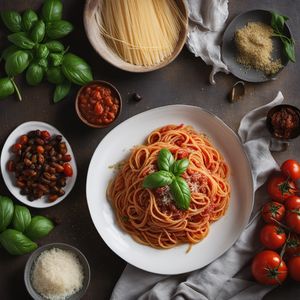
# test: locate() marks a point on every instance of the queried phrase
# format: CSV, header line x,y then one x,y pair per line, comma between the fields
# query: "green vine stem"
x,y
16,89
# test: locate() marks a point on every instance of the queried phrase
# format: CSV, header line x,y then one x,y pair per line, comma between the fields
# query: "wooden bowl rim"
x,y
125,66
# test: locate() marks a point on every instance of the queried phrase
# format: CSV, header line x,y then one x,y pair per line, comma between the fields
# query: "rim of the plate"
x,y
111,244
7,179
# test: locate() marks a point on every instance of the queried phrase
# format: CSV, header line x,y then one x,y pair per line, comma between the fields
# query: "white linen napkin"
x,y
207,22
229,276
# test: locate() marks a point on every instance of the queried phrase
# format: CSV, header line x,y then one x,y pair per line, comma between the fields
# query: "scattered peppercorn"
x,y
137,97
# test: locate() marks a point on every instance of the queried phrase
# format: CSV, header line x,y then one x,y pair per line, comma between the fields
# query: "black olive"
x,y
137,97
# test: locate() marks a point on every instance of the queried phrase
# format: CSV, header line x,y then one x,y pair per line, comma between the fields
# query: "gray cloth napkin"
x,y
207,22
228,277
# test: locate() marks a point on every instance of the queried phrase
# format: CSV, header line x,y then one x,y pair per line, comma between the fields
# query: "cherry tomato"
x,y
16,147
272,236
45,134
280,188
291,169
293,244
68,170
294,267
268,268
292,205
23,139
273,211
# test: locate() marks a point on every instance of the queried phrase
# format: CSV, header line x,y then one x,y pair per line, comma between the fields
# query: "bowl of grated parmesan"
x,y
57,271
250,49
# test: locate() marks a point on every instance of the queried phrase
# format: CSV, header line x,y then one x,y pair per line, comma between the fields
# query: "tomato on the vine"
x,y
293,244
292,205
291,169
273,211
294,267
272,236
280,188
268,268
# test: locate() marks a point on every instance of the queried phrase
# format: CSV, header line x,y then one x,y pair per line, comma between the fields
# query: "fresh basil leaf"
x,y
42,51
165,159
181,193
16,243
76,69
55,75
6,89
29,18
8,51
12,20
55,46
59,29
180,166
6,211
16,63
34,74
43,62
61,91
21,218
158,179
21,40
52,10
39,227
289,50
38,31
56,59
277,21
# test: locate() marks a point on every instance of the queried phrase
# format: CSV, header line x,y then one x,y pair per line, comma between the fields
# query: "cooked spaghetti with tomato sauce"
x,y
151,216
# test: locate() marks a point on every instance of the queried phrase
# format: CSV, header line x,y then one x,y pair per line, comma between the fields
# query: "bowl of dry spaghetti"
x,y
139,35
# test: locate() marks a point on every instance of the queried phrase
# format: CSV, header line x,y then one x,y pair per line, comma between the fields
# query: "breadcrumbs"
x,y
254,44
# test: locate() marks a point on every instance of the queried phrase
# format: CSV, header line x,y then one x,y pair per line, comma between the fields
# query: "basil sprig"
x,y
169,175
277,23
35,50
18,231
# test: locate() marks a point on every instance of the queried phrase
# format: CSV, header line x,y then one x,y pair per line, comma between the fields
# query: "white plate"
x,y
116,146
9,177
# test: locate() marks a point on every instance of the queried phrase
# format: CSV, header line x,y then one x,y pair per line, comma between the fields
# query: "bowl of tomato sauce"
x,y
98,104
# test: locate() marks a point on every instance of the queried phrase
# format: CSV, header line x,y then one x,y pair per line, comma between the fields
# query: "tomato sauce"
x,y
98,104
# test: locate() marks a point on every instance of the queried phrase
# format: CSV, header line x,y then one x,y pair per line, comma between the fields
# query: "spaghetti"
x,y
141,32
150,216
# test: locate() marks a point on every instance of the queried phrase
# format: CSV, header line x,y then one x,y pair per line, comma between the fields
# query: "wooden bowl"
x,y
103,83
99,44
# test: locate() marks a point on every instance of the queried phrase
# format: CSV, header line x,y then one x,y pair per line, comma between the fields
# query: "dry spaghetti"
x,y
141,32
150,216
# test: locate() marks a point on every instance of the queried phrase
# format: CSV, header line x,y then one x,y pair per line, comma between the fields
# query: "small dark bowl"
x,y
36,254
105,84
294,133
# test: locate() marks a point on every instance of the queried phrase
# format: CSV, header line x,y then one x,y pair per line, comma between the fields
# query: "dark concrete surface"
x,y
184,81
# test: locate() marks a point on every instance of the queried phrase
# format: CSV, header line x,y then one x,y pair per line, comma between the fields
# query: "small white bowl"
x,y
9,177
82,259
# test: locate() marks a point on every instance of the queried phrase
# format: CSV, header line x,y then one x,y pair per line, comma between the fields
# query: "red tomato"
x,y
291,169
293,244
292,218
45,134
272,236
68,170
280,188
268,268
294,268
273,211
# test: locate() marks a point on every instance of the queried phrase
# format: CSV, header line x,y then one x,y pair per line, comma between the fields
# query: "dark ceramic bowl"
x,y
293,133
36,254
229,50
105,84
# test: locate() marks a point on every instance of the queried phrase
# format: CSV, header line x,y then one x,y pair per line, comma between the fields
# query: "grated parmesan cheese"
x,y
57,274
254,44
